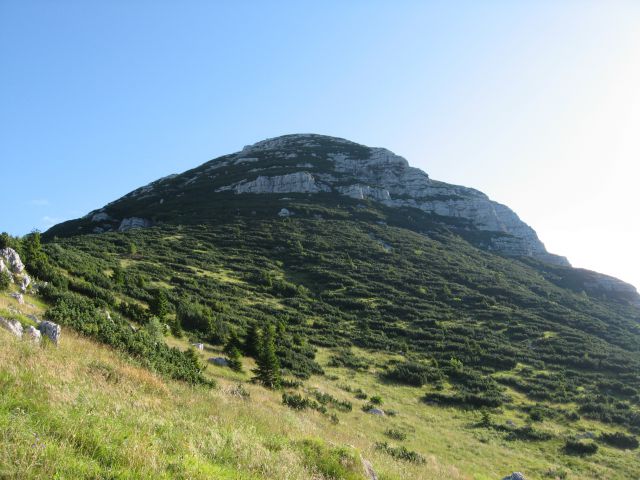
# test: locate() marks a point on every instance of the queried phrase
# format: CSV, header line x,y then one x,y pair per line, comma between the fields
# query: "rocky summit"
x,y
305,164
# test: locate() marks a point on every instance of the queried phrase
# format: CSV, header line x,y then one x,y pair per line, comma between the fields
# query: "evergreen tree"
x,y
232,350
34,257
233,342
252,341
5,240
234,359
5,281
159,304
268,370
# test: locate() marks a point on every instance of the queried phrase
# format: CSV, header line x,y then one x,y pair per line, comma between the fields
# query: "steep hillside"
x,y
373,275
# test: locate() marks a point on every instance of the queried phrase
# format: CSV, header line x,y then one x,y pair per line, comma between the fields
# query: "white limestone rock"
x,y
18,297
134,222
13,326
298,182
361,192
24,283
284,213
32,334
12,259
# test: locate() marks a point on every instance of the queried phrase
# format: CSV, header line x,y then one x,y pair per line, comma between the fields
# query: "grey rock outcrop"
x,y
13,326
379,175
24,284
18,297
134,222
32,334
376,411
284,212
219,361
50,330
369,472
13,260
515,476
298,182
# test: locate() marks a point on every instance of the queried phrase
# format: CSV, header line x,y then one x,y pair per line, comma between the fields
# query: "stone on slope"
x,y
13,260
13,326
33,334
50,330
515,476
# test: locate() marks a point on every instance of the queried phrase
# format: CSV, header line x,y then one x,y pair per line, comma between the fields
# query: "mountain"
x,y
377,281
316,164
321,169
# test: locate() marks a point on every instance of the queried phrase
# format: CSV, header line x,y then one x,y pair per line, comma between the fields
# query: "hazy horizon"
x,y
535,104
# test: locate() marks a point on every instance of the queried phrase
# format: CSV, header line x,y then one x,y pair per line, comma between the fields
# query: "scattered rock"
x,y
284,213
14,326
33,334
368,469
18,297
219,361
515,476
26,281
51,330
376,411
198,346
584,435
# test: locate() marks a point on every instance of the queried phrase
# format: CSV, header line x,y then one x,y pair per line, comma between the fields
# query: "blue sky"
x,y
536,103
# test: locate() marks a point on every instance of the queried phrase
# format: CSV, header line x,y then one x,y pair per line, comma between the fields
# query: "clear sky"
x,y
536,103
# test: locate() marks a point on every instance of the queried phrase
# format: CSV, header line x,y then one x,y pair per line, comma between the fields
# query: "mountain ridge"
x,y
310,164
322,164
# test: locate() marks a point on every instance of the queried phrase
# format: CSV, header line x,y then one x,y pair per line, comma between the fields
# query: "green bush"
x,y
415,374
579,447
5,281
619,440
400,453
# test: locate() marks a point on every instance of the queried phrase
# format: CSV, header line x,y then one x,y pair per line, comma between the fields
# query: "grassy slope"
x,y
83,411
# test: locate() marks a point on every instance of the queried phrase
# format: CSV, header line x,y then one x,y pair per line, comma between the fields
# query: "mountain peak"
x,y
300,165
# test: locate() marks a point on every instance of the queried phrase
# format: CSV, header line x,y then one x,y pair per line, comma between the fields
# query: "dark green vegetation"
x,y
224,268
456,312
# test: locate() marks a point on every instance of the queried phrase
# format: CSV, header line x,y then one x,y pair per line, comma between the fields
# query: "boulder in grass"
x,y
32,334
50,330
219,361
13,326
376,411
515,476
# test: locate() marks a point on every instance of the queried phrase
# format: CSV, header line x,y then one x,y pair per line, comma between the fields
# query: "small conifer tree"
x,y
268,370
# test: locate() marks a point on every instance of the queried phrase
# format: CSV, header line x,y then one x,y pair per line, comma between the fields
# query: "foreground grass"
x,y
80,411
83,411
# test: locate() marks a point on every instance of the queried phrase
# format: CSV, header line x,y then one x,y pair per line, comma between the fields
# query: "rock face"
x,y
380,175
13,326
134,222
50,330
13,260
310,164
299,182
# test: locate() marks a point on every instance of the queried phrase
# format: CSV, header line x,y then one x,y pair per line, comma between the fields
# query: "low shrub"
x,y
579,447
619,440
395,434
400,453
